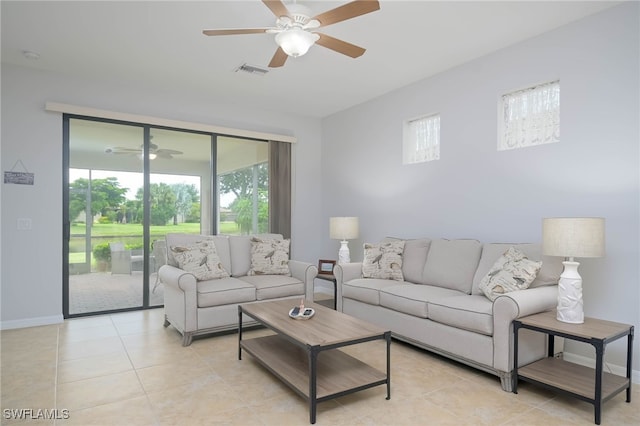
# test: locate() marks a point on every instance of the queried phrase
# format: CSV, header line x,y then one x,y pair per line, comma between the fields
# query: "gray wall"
x,y
473,191
32,260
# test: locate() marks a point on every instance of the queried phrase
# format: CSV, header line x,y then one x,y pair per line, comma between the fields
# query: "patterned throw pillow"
x,y
201,259
269,257
511,272
383,260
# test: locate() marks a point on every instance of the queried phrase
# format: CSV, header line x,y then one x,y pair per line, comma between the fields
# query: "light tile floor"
x,y
127,369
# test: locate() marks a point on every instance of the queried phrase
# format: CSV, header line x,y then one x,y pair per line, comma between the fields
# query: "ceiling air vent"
x,y
252,69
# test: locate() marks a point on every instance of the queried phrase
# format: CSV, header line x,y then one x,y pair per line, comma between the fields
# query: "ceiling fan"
x,y
295,33
154,151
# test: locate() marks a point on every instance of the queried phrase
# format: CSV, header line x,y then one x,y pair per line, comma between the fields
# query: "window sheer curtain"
x,y
280,188
422,140
531,116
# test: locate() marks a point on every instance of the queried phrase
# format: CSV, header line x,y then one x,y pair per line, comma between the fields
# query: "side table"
x,y
584,383
332,278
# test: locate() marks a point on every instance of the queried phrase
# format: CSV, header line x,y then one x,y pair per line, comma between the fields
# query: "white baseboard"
x,y
31,322
608,368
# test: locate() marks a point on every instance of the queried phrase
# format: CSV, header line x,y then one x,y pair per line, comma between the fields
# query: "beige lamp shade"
x,y
343,228
573,236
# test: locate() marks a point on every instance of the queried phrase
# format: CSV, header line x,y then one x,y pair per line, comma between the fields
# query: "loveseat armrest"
x,y
515,305
305,272
345,272
180,298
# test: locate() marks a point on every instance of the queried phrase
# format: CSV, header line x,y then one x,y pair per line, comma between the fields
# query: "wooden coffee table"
x,y
304,354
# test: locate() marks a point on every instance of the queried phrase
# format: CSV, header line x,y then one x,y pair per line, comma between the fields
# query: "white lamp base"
x,y
343,253
570,294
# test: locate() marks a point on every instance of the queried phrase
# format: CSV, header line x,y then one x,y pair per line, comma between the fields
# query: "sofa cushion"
x,y
269,257
512,271
413,258
383,260
452,264
411,298
549,273
469,312
200,259
273,286
240,252
221,242
365,289
224,292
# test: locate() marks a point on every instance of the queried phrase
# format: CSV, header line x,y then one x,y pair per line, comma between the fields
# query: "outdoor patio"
x,y
101,291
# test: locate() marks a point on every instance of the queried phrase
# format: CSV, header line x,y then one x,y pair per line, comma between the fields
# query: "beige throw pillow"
x,y
201,259
511,272
269,257
383,260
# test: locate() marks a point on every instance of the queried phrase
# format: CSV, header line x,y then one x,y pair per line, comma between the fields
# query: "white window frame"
x,y
529,117
421,144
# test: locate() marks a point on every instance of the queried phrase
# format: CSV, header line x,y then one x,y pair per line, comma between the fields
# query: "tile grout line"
x,y
135,371
55,380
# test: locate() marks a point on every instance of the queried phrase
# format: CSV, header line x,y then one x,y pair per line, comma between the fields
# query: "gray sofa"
x,y
439,306
201,307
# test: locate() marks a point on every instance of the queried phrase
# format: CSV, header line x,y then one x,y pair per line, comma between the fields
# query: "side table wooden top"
x,y
592,328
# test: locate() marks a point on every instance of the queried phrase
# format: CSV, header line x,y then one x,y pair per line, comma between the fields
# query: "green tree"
x,y
240,182
186,196
162,201
106,196
243,207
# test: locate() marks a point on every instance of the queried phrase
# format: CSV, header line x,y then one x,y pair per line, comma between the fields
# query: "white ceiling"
x,y
159,45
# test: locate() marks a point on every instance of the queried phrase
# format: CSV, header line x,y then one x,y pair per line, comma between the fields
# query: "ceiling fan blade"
x,y
340,46
277,7
278,59
121,150
168,151
233,31
166,155
347,11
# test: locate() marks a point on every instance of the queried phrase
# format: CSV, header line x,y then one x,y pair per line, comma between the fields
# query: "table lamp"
x,y
571,237
343,228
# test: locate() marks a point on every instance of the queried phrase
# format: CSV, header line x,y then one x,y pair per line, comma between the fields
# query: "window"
x,y
530,117
421,140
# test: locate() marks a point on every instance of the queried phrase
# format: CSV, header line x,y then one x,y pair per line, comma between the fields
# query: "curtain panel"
x,y
280,188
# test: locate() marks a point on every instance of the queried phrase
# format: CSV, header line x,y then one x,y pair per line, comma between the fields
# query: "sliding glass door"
x,y
130,184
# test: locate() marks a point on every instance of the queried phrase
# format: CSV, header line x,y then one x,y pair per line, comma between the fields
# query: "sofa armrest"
x,y
345,272
180,298
305,272
515,305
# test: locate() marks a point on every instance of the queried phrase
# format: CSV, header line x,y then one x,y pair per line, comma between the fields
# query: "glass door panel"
x,y
243,185
105,240
179,181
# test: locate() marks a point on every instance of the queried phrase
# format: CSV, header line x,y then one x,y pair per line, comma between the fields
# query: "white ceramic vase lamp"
x,y
344,229
571,237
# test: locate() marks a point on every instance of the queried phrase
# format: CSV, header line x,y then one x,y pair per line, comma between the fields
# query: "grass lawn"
x,y
131,233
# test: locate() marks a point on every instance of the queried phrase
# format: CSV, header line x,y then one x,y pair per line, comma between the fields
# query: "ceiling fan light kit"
x,y
296,41
294,27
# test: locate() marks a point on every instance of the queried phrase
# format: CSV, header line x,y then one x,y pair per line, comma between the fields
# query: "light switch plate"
x,y
24,223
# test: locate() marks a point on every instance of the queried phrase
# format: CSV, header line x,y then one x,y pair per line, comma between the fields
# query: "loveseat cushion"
x,y
469,312
221,242
413,258
224,291
452,264
412,299
365,289
273,286
240,252
549,273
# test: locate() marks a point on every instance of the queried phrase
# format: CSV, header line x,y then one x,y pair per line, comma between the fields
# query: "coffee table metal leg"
x,y
387,337
239,332
313,370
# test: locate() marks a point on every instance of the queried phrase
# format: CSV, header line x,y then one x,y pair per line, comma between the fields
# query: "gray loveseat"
x,y
439,306
200,307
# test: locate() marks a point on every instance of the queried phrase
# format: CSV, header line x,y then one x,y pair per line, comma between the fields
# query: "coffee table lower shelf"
x,y
337,373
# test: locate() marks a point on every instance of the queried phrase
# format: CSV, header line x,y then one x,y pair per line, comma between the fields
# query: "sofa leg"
x,y
186,339
166,322
506,380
